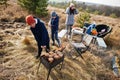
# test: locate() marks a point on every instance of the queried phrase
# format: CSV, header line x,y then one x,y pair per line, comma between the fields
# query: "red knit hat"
x,y
29,19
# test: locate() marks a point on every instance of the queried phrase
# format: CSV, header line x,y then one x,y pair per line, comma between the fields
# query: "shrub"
x,y
82,18
37,7
88,10
103,14
113,15
80,9
96,12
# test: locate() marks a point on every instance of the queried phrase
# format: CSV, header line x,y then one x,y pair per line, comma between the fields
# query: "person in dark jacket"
x,y
54,24
40,33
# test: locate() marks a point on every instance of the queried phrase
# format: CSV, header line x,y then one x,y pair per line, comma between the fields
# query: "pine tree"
x,y
37,7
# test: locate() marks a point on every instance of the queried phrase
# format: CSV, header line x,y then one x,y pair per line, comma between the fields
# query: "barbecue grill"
x,y
49,65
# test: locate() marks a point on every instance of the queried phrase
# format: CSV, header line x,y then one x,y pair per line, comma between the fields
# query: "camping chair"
x,y
82,46
79,31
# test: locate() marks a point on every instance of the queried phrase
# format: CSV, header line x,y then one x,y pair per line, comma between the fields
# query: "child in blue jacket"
x,y
54,24
40,33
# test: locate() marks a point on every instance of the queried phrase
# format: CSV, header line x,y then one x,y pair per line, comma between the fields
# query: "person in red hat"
x,y
40,33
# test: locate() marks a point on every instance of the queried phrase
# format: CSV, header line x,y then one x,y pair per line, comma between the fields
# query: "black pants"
x,y
40,49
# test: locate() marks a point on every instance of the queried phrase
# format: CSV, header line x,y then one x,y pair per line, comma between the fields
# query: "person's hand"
x,y
73,8
43,47
49,24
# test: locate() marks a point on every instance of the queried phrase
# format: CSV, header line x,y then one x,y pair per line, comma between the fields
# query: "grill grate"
x,y
49,65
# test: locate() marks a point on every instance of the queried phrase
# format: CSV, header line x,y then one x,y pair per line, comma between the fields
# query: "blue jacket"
x,y
54,23
40,33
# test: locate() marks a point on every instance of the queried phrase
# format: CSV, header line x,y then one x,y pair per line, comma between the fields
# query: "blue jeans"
x,y
54,36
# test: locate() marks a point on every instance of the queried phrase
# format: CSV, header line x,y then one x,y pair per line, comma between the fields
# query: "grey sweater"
x,y
70,17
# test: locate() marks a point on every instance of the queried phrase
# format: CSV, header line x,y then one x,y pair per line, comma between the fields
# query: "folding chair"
x,y
82,46
77,31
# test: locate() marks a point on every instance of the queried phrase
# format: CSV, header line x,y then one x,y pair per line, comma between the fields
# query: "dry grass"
x,y
26,41
12,12
18,61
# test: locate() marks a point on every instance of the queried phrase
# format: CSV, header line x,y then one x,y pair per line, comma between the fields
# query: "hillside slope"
x,y
17,59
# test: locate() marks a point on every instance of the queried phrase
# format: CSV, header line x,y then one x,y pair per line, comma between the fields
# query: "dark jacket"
x,y
55,23
40,33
